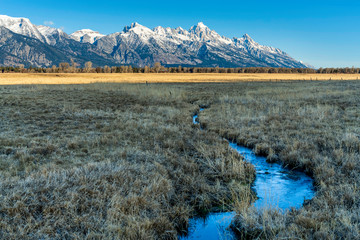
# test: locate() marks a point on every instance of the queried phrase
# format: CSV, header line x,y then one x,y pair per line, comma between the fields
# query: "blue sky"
x,y
322,33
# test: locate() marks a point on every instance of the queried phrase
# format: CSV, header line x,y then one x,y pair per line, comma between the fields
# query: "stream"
x,y
275,187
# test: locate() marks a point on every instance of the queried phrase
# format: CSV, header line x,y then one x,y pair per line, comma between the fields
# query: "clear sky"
x,y
322,33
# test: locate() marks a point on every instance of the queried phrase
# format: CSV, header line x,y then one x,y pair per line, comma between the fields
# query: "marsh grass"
x,y
124,161
108,161
311,126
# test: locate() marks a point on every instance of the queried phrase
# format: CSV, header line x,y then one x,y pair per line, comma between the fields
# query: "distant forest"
x,y
158,68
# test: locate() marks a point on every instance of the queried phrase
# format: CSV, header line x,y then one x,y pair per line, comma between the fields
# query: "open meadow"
x,y
85,78
119,158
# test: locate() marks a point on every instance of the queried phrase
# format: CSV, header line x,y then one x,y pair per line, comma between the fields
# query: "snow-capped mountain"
x,y
52,35
200,46
21,26
139,46
86,36
24,27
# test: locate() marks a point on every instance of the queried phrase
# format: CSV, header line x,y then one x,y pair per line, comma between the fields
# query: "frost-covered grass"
x,y
313,126
110,161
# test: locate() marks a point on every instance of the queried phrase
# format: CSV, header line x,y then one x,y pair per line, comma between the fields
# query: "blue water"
x,y
214,226
275,186
196,117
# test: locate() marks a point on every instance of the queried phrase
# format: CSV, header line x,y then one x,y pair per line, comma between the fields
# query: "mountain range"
x,y
22,42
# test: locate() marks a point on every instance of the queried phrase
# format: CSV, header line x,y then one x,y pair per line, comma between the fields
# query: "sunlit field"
x,y
84,78
114,160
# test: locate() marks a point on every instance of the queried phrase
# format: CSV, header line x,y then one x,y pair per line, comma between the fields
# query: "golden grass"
x,y
86,78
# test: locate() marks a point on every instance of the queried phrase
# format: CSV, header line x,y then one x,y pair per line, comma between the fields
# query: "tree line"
x,y
158,68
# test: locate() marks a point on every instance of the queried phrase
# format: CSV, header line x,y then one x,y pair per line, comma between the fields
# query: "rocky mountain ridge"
x,y
136,45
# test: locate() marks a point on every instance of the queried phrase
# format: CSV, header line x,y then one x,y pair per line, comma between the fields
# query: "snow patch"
x,y
86,36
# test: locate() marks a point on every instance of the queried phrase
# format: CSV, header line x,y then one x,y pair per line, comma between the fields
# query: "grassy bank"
x,y
309,126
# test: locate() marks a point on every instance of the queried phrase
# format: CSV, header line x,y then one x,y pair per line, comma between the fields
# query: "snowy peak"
x,y
205,34
247,37
132,25
52,35
21,26
182,31
138,29
200,30
200,27
86,31
247,40
86,36
170,32
159,30
47,31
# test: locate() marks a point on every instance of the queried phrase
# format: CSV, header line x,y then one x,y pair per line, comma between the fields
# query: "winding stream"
x,y
275,186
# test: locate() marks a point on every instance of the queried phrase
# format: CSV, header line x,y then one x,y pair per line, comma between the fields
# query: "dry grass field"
x,y
85,78
124,161
108,161
313,126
